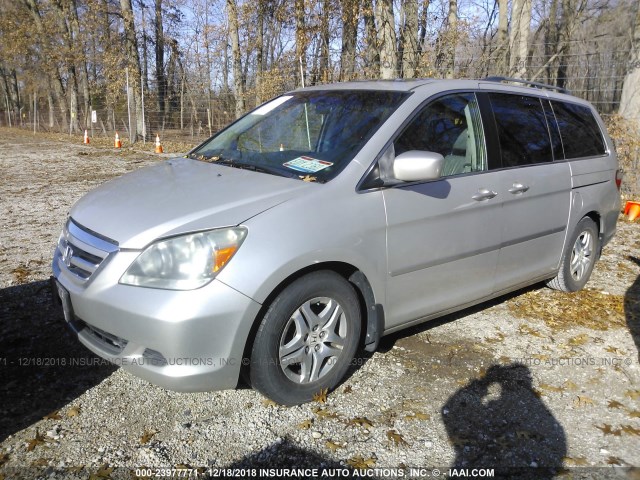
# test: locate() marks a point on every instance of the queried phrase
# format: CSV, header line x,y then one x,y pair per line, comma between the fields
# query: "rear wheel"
x,y
307,339
579,259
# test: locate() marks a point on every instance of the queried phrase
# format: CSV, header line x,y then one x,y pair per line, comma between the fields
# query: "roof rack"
x,y
543,86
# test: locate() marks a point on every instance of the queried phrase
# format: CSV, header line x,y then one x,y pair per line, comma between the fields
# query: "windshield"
x,y
308,135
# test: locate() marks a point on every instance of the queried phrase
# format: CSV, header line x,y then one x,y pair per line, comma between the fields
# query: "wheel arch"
x,y
372,316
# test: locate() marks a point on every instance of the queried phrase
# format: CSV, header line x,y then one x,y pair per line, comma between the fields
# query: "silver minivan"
x,y
329,217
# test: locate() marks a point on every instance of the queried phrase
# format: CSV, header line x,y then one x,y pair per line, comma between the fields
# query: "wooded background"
x,y
192,66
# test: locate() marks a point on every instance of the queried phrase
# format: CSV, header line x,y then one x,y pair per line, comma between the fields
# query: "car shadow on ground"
x,y
632,308
498,421
42,364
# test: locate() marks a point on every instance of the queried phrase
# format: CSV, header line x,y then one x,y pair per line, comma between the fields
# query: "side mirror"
x,y
416,165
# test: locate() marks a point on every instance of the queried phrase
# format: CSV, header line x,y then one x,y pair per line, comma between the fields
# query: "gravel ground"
x,y
534,379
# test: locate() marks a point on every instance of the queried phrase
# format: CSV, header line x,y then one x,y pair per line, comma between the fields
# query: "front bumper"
x,y
181,340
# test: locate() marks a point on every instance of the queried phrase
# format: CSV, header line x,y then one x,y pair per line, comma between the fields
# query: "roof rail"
x,y
543,86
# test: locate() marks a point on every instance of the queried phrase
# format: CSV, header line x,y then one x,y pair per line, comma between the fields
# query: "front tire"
x,y
306,339
578,259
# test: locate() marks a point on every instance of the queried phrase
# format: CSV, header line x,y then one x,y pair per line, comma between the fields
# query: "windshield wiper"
x,y
255,168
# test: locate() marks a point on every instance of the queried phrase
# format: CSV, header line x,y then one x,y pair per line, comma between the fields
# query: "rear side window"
x,y
522,129
581,136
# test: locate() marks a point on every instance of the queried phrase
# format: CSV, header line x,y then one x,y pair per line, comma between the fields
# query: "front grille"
x,y
81,252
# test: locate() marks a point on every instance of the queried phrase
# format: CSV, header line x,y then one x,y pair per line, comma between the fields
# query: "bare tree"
x,y
133,64
409,38
235,52
349,16
519,37
630,99
387,38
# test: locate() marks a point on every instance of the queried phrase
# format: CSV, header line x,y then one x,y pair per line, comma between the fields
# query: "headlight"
x,y
186,262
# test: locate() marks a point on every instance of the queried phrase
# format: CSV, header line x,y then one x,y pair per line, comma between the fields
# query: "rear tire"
x,y
306,339
578,259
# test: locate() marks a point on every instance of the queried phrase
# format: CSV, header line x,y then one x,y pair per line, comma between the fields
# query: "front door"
x,y
443,236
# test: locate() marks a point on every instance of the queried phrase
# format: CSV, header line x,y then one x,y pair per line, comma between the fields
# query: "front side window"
x,y
312,134
581,136
522,129
452,127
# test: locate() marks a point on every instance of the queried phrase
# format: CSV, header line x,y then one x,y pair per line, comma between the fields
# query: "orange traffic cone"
x,y
86,137
632,209
158,145
117,143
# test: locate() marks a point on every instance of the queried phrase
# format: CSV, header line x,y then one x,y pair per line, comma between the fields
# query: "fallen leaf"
x,y
504,359
41,462
4,458
347,389
499,337
579,340
75,469
607,430
632,394
33,443
575,462
147,436
55,415
525,434
332,445
615,461
396,438
570,385
527,330
582,401
361,463
321,396
104,471
308,178
418,416
612,349
306,425
267,402
360,422
634,413
615,404
551,388
73,412
324,413
631,430
543,357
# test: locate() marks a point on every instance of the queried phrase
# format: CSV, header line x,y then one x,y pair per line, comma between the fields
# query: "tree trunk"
x,y
350,13
502,52
260,51
409,39
301,35
630,99
372,55
519,37
159,51
133,63
324,39
387,38
235,52
451,39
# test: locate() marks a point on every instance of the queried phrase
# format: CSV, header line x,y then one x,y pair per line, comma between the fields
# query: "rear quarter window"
x,y
581,135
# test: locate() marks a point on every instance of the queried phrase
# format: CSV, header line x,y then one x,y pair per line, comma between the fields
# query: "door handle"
x,y
484,194
518,188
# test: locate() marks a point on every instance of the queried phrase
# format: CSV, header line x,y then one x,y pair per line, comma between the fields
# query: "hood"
x,y
179,196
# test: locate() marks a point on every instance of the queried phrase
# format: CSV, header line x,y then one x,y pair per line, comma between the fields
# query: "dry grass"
x,y
564,311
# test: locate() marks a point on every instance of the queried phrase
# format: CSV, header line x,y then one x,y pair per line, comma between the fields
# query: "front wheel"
x,y
307,339
579,259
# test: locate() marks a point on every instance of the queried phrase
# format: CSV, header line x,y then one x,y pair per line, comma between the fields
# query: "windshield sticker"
x,y
307,164
267,107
